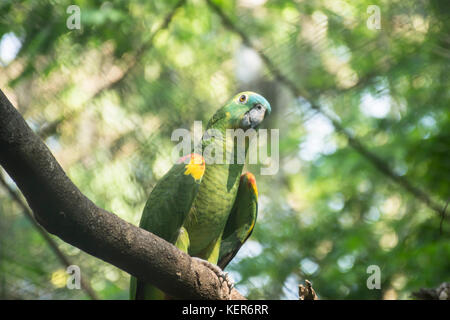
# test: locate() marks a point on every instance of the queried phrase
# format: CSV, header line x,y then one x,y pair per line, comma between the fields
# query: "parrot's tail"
x,y
140,290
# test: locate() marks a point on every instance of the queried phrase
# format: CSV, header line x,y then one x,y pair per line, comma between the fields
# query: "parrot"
x,y
207,209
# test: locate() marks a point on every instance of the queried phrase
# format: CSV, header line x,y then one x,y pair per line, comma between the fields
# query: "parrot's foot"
x,y
222,275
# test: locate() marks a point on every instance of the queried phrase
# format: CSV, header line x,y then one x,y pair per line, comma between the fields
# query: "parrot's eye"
x,y
243,98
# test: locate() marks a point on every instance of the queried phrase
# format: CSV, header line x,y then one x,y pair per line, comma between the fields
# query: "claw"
x,y
222,275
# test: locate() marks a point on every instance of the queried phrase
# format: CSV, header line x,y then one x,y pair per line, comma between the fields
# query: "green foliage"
x,y
327,214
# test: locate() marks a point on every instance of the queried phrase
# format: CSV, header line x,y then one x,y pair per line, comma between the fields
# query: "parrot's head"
x,y
250,109
245,110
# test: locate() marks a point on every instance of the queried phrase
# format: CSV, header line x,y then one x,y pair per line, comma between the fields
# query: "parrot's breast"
x,y
209,213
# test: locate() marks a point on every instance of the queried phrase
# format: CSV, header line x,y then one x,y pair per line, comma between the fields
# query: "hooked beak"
x,y
254,116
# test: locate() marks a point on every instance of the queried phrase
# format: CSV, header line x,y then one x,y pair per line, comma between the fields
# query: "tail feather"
x,y
140,290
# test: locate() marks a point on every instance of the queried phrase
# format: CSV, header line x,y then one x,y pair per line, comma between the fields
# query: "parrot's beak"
x,y
254,116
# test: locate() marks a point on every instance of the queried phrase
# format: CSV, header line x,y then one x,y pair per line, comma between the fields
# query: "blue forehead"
x,y
257,98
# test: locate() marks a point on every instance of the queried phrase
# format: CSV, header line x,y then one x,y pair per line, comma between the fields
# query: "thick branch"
x,y
61,208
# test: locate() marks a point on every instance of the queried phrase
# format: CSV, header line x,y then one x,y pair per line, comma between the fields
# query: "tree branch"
x,y
60,207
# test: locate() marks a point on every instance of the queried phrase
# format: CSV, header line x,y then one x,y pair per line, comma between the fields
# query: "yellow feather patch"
x,y
195,167
250,229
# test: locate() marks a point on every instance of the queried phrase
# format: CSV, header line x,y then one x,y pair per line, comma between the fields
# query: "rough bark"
x,y
60,207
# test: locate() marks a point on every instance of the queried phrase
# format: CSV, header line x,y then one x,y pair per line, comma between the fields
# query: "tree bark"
x,y
60,207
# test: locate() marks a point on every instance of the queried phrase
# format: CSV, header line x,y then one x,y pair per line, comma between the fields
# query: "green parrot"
x,y
207,208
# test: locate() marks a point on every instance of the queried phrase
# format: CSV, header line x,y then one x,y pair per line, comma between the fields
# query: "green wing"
x,y
166,210
241,221
171,199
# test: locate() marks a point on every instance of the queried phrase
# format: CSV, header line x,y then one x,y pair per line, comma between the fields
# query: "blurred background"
x,y
361,100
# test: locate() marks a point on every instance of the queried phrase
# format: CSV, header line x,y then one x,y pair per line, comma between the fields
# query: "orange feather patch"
x,y
251,182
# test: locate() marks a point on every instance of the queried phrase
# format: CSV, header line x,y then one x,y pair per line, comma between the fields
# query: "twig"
x,y
306,292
